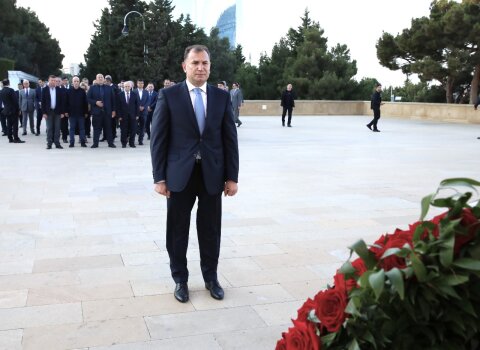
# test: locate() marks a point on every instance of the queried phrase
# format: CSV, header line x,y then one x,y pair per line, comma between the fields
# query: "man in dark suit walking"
x,y
152,99
53,108
10,111
144,103
38,107
194,151
128,109
102,101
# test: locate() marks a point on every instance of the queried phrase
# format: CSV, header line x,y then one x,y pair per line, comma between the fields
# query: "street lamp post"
x,y
125,33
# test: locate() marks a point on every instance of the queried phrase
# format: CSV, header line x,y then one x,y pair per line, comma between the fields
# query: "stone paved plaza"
x,y
83,263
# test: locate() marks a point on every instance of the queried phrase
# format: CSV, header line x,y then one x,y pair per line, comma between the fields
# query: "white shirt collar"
x,y
191,87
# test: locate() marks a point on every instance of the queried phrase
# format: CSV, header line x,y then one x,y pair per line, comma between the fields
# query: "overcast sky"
x,y
358,24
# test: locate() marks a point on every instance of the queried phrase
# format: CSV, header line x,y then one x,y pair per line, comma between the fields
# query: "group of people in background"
x,y
71,109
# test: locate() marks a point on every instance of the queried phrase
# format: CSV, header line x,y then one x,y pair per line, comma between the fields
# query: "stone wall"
x,y
450,113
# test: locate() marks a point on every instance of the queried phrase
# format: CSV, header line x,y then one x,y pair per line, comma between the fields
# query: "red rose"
x,y
472,224
347,285
396,240
302,337
330,308
302,313
359,265
281,344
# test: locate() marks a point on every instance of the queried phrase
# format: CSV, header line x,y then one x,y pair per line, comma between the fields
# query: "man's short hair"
x,y
195,48
6,82
140,81
108,77
377,85
51,76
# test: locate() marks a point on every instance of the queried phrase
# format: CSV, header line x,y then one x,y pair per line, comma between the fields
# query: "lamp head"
x,y
125,30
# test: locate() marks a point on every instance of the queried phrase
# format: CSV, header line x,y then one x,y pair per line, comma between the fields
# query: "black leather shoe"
x,y
124,146
18,141
4,134
283,123
49,146
83,144
65,141
376,130
112,145
181,292
71,145
289,125
216,291
140,143
133,146
94,146
59,146
37,134
24,133
369,126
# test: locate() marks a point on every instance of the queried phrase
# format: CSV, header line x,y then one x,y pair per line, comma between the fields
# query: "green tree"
x,y
27,41
441,47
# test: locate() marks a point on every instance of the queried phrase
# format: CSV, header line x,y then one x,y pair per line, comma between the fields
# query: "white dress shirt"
x,y
193,96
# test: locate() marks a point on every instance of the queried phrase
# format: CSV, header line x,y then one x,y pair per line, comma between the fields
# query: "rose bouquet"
x,y
412,289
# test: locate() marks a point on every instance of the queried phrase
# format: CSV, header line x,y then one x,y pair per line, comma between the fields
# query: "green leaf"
x,y
446,251
389,252
455,280
360,248
354,345
426,205
377,282
396,277
347,268
475,251
418,267
352,308
328,339
460,181
468,264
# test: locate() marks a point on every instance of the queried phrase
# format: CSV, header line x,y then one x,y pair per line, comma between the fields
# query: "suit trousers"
x,y
102,121
53,128
12,126
141,127
88,125
285,110
148,123
28,116
236,114
209,221
64,128
128,130
76,121
3,121
376,117
39,119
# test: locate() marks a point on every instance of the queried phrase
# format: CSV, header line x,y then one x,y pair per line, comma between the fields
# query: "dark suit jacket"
x,y
124,110
376,100
101,93
176,139
144,101
153,100
38,92
61,100
288,99
10,101
77,105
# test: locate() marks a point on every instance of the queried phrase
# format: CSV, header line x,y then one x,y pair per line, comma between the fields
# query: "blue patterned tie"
x,y
199,109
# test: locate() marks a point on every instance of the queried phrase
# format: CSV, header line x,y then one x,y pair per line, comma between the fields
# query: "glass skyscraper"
x,y
227,25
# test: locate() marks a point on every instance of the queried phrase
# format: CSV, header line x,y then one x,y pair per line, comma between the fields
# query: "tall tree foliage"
x,y
443,46
166,38
303,58
27,41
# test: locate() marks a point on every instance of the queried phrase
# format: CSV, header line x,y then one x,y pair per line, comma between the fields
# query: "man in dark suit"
x,y
288,103
116,90
375,104
144,103
77,109
64,87
10,111
194,151
53,108
128,109
38,107
102,101
152,98
3,118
